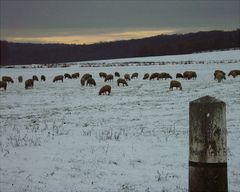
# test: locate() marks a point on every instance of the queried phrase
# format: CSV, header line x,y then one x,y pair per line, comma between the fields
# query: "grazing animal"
x,y
102,75
91,82
82,81
218,71
127,77
29,83
134,75
58,78
176,84
219,76
3,84
75,75
117,74
67,75
164,76
35,78
106,89
234,73
153,76
43,78
20,79
179,75
194,75
146,76
189,75
7,79
122,81
86,76
109,78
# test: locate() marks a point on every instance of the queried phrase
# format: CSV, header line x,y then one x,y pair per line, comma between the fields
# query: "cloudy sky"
x,y
78,22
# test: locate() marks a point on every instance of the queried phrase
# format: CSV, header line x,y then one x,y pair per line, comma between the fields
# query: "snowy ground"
x,y
64,137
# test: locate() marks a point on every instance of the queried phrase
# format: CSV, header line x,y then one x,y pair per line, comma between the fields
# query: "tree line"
x,y
30,53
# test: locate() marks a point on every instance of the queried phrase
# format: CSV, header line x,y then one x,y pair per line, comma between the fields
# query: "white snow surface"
x,y
64,137
205,56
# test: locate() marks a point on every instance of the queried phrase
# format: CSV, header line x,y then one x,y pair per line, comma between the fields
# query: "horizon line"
x,y
138,36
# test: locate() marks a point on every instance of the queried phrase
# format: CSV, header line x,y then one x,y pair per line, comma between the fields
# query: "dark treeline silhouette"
x,y
29,53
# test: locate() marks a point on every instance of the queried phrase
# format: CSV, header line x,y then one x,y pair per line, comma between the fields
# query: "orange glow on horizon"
x,y
90,39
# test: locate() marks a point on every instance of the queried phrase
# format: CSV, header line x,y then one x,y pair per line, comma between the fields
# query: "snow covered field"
x,y
64,137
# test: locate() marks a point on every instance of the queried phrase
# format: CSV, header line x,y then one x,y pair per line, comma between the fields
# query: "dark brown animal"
x,y
146,76
91,82
102,75
20,79
219,76
164,76
234,73
194,75
58,78
153,76
75,75
29,83
127,77
179,75
117,74
82,81
176,84
217,72
189,75
35,78
67,75
134,75
108,78
7,79
3,84
106,89
122,81
86,76
43,78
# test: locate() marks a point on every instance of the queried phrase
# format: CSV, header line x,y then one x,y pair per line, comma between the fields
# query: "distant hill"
x,y
29,53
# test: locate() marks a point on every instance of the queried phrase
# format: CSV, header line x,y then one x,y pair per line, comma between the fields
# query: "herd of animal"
x,y
88,80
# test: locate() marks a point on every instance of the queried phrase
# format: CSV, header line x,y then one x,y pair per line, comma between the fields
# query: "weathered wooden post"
x,y
207,145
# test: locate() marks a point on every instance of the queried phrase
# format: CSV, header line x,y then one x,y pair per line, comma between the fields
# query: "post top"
x,y
207,99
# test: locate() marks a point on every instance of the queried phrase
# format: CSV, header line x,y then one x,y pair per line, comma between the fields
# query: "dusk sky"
x,y
87,22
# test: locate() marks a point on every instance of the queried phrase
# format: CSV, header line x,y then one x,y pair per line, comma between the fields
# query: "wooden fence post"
x,y
207,145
